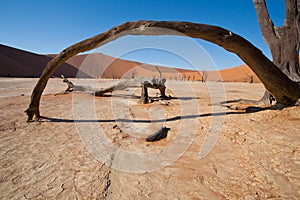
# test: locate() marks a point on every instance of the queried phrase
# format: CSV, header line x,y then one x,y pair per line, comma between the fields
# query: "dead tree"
x,y
72,87
283,41
160,73
144,96
69,83
250,78
133,74
285,90
144,83
204,76
135,83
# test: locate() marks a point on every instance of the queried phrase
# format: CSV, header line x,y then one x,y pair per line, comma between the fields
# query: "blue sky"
x,y
46,27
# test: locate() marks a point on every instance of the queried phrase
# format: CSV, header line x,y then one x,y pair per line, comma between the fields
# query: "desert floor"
x,y
94,147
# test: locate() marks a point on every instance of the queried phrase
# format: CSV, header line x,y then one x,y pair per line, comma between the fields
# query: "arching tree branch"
x,y
270,75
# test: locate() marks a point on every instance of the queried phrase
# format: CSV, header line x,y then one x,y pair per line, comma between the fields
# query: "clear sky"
x,y
49,26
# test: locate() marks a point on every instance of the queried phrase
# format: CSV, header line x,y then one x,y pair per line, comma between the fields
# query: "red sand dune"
x,y
242,73
19,63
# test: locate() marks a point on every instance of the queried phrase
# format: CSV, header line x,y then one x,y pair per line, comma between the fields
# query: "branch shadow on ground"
x,y
138,97
121,95
176,118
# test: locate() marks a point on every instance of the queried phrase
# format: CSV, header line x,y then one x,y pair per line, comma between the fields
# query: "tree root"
x,y
266,102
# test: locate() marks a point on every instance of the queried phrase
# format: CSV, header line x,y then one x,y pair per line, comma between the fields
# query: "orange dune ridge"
x,y
19,63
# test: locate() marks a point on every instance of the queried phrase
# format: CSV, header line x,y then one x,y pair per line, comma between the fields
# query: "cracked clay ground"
x,y
256,155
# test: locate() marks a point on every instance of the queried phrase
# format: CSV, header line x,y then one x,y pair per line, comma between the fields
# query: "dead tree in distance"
x,y
72,87
145,83
135,83
160,73
204,76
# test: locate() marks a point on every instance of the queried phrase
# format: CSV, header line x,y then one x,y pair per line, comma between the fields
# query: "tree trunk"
x,y
134,83
144,96
283,41
285,90
160,73
266,99
77,88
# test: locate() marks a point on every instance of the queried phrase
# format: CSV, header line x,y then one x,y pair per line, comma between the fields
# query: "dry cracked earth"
x,y
209,153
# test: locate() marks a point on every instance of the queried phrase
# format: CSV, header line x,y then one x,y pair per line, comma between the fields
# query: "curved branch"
x,y
268,73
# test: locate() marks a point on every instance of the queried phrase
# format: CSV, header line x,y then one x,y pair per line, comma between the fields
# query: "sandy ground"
x,y
94,147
